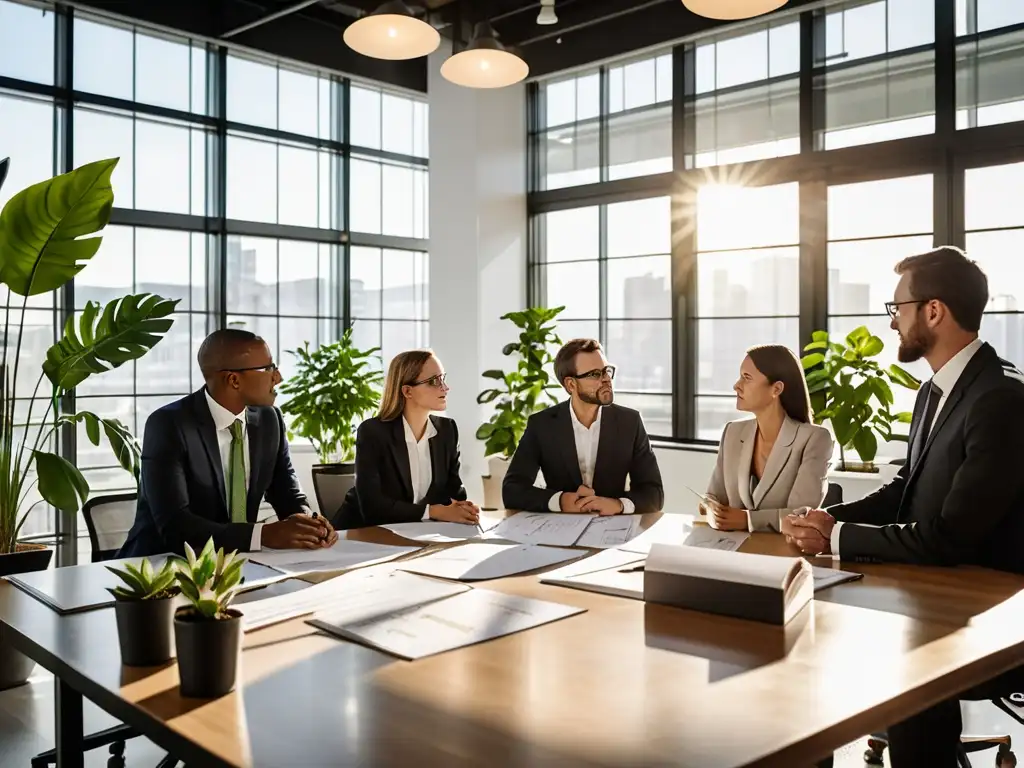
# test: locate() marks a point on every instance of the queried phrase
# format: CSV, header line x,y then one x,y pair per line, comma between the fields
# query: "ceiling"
x,y
587,30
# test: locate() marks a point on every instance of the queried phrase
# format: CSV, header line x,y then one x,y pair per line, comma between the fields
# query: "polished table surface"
x,y
622,684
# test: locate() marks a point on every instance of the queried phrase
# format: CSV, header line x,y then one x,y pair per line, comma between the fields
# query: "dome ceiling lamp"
x,y
392,33
485,62
732,10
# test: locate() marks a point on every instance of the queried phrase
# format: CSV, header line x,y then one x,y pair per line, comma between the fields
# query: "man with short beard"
x,y
586,447
959,498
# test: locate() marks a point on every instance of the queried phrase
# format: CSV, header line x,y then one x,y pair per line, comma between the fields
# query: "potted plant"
x,y
843,381
520,393
43,245
207,633
334,387
144,608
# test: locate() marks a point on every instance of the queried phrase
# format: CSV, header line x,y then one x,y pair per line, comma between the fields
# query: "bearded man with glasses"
x,y
588,448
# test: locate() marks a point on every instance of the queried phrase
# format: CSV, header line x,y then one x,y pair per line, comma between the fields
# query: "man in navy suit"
x,y
209,460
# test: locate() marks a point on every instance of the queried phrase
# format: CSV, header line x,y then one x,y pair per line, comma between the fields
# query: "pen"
x,y
631,570
315,515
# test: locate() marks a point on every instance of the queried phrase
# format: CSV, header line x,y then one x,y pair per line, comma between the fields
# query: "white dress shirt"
x,y
945,379
222,421
420,468
587,440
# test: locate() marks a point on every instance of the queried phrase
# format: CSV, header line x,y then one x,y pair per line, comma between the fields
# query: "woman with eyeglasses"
x,y
407,457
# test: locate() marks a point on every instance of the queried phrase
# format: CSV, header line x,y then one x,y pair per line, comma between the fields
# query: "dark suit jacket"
x,y
182,495
963,501
383,489
548,444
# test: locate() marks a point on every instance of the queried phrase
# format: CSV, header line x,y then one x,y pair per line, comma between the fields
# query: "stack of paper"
x,y
435,531
710,538
480,560
607,532
343,555
612,572
552,528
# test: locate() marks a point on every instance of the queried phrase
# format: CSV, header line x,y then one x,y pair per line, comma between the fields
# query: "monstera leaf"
x,y
126,330
122,442
40,227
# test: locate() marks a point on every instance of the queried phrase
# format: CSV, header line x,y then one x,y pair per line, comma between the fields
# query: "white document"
x,y
353,595
709,538
343,555
610,558
607,532
480,560
472,617
435,531
669,529
556,529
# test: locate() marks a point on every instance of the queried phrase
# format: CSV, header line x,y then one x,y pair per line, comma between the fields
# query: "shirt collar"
x,y
222,417
411,438
577,423
947,376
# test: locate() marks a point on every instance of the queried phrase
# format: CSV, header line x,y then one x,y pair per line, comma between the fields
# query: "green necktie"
x,y
236,474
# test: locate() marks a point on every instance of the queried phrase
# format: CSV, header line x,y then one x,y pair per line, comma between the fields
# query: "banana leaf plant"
x,y
44,243
854,392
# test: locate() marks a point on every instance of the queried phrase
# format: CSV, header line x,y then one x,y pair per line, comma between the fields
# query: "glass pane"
x,y
722,345
251,92
364,196
197,278
989,89
26,135
398,336
640,287
998,254
572,156
640,143
294,332
639,227
656,411
992,196
162,75
109,274
405,285
642,352
397,187
784,49
741,59
298,102
264,327
103,59
162,265
36,339
880,208
757,283
251,275
298,285
421,130
26,43
751,124
298,186
771,216
251,180
861,276
911,23
365,336
162,164
571,235
632,85
397,122
577,329
167,367
1005,332
198,104
573,285
713,413
365,282
364,128
559,99
329,279
982,15
99,136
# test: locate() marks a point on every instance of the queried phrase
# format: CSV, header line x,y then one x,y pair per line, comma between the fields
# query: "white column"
x,y
477,240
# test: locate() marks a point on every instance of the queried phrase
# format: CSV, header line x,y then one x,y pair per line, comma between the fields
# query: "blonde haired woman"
x,y
407,458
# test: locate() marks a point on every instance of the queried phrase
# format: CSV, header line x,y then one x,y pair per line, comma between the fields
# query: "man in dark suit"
x,y
586,447
209,460
959,499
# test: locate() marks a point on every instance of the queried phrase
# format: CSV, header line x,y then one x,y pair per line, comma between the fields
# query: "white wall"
x,y
477,240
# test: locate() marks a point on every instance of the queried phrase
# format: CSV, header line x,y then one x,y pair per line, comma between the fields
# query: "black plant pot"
x,y
208,651
144,630
15,667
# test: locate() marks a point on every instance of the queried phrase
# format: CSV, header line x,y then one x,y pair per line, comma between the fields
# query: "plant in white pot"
x,y
144,609
207,633
44,244
334,387
519,393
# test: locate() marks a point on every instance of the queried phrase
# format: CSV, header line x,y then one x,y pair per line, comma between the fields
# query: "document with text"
x,y
709,538
607,532
436,531
465,619
556,529
669,529
343,555
479,560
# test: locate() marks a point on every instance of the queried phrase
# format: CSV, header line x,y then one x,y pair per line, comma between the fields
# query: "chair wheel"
x,y
873,758
1006,759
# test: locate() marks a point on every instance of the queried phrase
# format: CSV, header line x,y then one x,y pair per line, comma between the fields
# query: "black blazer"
x,y
963,502
548,445
182,495
383,489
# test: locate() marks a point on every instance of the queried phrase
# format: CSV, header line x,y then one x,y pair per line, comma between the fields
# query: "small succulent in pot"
x,y
144,607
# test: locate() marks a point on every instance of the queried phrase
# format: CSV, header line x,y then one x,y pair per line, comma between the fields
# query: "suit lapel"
x,y
777,459
567,445
438,463
400,453
746,456
208,436
254,432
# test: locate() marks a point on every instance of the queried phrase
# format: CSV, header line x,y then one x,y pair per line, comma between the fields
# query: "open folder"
x,y
738,584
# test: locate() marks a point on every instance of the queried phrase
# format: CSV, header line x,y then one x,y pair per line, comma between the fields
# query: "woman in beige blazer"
x,y
775,462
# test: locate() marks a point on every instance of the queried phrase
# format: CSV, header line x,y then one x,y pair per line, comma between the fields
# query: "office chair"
x,y
330,492
1004,757
108,520
834,495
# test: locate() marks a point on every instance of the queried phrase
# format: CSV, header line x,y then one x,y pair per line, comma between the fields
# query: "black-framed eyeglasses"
x,y
893,307
597,374
433,381
268,368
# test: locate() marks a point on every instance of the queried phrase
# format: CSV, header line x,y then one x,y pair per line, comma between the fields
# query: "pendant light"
x,y
392,32
485,62
732,10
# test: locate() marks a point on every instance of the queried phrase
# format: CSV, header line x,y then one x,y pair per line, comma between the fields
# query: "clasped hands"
x,y
465,512
583,500
299,531
809,530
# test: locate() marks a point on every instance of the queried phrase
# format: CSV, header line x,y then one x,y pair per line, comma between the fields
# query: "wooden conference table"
x,y
624,684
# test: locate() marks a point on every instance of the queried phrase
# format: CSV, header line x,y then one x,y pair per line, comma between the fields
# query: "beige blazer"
x,y
795,475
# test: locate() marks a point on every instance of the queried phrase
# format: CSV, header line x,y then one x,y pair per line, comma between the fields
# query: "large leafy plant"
x,y
854,392
209,581
525,389
333,388
43,245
